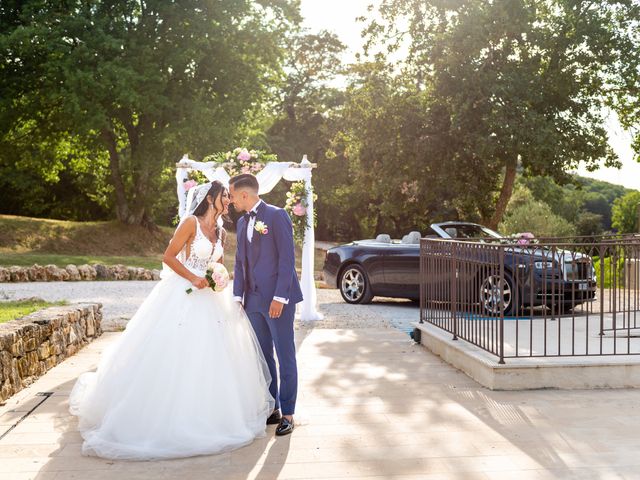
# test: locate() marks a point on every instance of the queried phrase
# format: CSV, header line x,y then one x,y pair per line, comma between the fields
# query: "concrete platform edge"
x,y
565,373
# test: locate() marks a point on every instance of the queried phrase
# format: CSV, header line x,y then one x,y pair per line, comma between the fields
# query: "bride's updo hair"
x,y
216,191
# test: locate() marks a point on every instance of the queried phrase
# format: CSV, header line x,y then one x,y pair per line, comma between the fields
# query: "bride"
x,y
187,377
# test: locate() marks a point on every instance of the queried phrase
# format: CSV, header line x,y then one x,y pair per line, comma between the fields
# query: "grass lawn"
x,y
25,241
106,239
19,308
62,260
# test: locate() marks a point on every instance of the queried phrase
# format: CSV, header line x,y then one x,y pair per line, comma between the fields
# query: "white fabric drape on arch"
x,y
268,178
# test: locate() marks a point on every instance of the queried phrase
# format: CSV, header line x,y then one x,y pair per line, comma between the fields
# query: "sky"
x,y
338,16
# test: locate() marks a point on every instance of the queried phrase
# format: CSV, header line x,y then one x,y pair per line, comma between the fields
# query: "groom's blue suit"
x,y
264,269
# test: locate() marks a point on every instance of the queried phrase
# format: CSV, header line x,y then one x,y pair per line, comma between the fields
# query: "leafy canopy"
x,y
138,82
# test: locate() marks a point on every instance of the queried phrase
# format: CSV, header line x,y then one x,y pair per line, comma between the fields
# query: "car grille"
x,y
577,270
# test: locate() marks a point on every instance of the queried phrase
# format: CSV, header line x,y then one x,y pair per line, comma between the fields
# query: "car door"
x,y
402,270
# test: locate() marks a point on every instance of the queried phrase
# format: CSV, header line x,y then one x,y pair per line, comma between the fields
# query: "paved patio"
x,y
372,405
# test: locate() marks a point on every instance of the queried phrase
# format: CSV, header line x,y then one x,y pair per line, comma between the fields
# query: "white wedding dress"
x,y
187,377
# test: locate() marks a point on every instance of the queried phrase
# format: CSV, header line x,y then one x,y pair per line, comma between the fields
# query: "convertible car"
x,y
391,268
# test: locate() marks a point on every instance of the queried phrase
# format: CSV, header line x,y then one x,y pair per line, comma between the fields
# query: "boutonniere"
x,y
261,228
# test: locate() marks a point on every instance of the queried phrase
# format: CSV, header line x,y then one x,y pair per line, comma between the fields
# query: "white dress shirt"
x,y
252,221
250,228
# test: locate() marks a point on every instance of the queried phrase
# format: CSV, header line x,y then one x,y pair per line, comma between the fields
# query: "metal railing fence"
x,y
549,298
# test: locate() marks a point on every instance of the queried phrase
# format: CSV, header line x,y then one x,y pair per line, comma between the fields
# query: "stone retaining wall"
x,y
73,273
32,345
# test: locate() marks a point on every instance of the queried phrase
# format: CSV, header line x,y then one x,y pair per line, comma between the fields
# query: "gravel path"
x,y
382,312
120,300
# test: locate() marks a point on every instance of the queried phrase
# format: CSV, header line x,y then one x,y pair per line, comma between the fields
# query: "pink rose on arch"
x,y
189,184
244,156
299,209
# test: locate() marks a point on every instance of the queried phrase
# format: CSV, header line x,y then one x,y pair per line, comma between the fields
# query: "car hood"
x,y
544,253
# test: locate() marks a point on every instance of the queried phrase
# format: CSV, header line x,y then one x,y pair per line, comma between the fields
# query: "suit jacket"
x,y
266,267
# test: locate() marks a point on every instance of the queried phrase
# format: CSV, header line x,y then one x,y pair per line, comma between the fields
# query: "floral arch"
x,y
269,172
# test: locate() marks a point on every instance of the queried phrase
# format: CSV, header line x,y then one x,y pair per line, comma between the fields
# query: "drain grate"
x,y
39,394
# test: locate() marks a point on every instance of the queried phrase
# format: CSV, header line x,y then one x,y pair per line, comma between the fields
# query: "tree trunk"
x,y
505,194
122,206
130,209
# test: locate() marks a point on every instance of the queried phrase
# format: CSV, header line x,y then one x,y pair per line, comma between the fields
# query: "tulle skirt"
x,y
187,377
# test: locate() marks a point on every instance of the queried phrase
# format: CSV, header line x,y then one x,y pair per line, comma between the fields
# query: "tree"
x,y
512,83
394,161
306,120
625,213
305,100
526,214
139,82
589,223
582,201
597,205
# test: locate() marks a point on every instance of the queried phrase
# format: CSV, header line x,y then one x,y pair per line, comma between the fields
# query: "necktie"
x,y
250,215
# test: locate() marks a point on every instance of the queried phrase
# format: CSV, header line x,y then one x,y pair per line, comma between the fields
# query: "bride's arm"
x,y
183,233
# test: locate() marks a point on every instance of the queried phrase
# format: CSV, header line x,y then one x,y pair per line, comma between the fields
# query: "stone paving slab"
x,y
372,405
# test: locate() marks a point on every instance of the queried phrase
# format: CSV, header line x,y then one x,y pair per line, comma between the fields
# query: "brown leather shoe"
x,y
274,418
285,427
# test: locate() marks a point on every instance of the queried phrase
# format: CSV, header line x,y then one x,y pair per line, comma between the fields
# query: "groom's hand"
x,y
275,309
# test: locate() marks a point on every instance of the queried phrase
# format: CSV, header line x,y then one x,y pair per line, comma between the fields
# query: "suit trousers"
x,y
277,333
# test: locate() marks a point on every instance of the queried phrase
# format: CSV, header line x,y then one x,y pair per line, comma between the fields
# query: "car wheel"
x,y
492,288
354,285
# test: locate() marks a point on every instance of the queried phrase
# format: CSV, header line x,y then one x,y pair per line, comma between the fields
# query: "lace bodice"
x,y
201,251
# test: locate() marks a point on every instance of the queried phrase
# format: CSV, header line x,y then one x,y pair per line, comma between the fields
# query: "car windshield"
x,y
470,231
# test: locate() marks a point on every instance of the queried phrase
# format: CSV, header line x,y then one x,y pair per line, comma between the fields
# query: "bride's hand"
x,y
199,282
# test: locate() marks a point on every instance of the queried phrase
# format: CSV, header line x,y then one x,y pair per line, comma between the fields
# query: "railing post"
x,y
600,286
423,285
501,305
454,289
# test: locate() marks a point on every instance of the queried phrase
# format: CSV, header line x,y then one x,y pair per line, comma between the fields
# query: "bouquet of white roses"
x,y
217,276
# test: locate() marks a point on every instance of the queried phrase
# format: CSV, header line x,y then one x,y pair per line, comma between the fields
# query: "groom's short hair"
x,y
245,180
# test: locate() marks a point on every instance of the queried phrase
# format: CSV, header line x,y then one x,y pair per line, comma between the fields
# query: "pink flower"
x,y
299,210
261,227
244,155
525,238
189,184
245,169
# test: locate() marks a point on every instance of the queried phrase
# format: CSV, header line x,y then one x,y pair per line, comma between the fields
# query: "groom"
x,y
265,281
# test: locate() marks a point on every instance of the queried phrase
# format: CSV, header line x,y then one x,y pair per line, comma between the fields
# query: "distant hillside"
x,y
610,190
573,200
